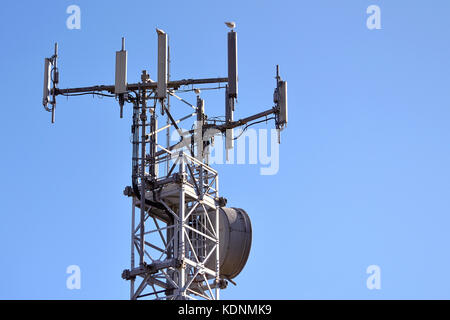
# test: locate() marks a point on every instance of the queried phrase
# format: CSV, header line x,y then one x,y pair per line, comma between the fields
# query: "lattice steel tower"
x,y
185,242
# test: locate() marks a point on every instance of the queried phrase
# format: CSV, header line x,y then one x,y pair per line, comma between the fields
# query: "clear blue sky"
x,y
364,165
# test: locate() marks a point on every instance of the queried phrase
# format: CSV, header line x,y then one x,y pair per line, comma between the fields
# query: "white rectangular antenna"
x,y
161,89
121,70
47,80
229,139
232,65
229,106
156,164
282,103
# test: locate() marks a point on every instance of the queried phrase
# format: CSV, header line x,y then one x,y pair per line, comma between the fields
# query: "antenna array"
x,y
185,243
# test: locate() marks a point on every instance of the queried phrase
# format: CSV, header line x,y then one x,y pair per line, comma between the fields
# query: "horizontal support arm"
x,y
225,126
149,85
241,122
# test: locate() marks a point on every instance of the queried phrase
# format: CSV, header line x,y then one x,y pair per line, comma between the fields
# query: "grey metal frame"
x,y
178,253
175,196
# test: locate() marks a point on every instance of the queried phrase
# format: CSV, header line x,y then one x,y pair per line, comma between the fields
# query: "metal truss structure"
x,y
175,203
175,198
176,255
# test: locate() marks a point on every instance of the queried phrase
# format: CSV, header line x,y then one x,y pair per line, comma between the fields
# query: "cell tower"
x,y
185,242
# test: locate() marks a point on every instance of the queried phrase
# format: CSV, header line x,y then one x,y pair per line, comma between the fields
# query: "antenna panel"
x,y
229,107
161,88
229,139
47,79
232,65
282,103
121,72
